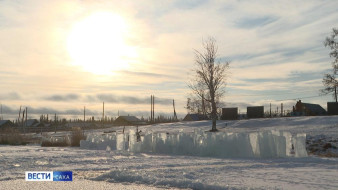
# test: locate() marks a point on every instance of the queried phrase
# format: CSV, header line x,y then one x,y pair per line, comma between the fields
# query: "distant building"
x,y
307,109
229,113
255,112
33,123
195,117
128,120
6,124
332,108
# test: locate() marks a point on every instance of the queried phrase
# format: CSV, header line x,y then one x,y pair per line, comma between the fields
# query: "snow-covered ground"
x,y
111,169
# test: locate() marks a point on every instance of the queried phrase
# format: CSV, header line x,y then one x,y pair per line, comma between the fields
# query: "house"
x,y
255,112
307,109
195,117
33,123
6,124
332,108
229,113
128,120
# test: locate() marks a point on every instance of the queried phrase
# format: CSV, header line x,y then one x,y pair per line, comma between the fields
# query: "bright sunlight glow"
x,y
97,44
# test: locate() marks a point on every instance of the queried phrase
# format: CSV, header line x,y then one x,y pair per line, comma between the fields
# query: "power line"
x,y
301,98
266,95
271,94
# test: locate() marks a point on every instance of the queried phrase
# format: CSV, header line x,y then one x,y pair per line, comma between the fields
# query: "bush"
x,y
77,136
53,144
328,145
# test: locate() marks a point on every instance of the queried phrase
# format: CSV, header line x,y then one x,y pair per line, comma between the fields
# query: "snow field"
x,y
99,167
137,170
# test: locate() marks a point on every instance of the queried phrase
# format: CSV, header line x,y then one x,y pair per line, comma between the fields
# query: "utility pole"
x,y
152,115
281,110
1,117
19,117
22,120
26,116
175,116
270,109
84,114
103,113
55,123
153,108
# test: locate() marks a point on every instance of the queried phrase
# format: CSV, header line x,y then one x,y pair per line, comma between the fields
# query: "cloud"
x,y
145,74
129,99
255,22
9,110
274,47
36,112
10,96
62,98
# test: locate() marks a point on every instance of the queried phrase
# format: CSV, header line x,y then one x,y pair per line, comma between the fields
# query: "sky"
x,y
61,56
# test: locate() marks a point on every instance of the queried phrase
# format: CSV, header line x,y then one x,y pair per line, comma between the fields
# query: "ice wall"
x,y
100,142
267,144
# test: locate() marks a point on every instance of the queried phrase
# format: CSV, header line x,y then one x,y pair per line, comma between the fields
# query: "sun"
x,y
97,44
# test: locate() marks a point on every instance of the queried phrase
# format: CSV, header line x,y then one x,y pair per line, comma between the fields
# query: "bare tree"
x,y
332,43
329,81
330,84
209,80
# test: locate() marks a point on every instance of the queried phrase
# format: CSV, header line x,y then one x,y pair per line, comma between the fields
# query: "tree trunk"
x,y
213,113
214,125
335,93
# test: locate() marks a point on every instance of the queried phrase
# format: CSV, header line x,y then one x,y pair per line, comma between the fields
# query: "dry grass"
x,y
11,136
77,134
327,154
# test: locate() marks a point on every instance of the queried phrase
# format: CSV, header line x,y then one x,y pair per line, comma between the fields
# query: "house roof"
x,y
4,122
128,120
31,122
315,108
195,117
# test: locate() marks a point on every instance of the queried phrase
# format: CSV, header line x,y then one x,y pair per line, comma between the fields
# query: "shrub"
x,y
327,146
77,136
53,144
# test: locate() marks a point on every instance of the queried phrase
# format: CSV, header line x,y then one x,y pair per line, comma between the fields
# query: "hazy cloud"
x,y
62,98
272,45
129,99
9,110
52,111
35,112
10,96
146,74
255,22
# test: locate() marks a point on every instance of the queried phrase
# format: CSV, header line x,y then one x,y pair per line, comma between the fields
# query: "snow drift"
x,y
267,144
